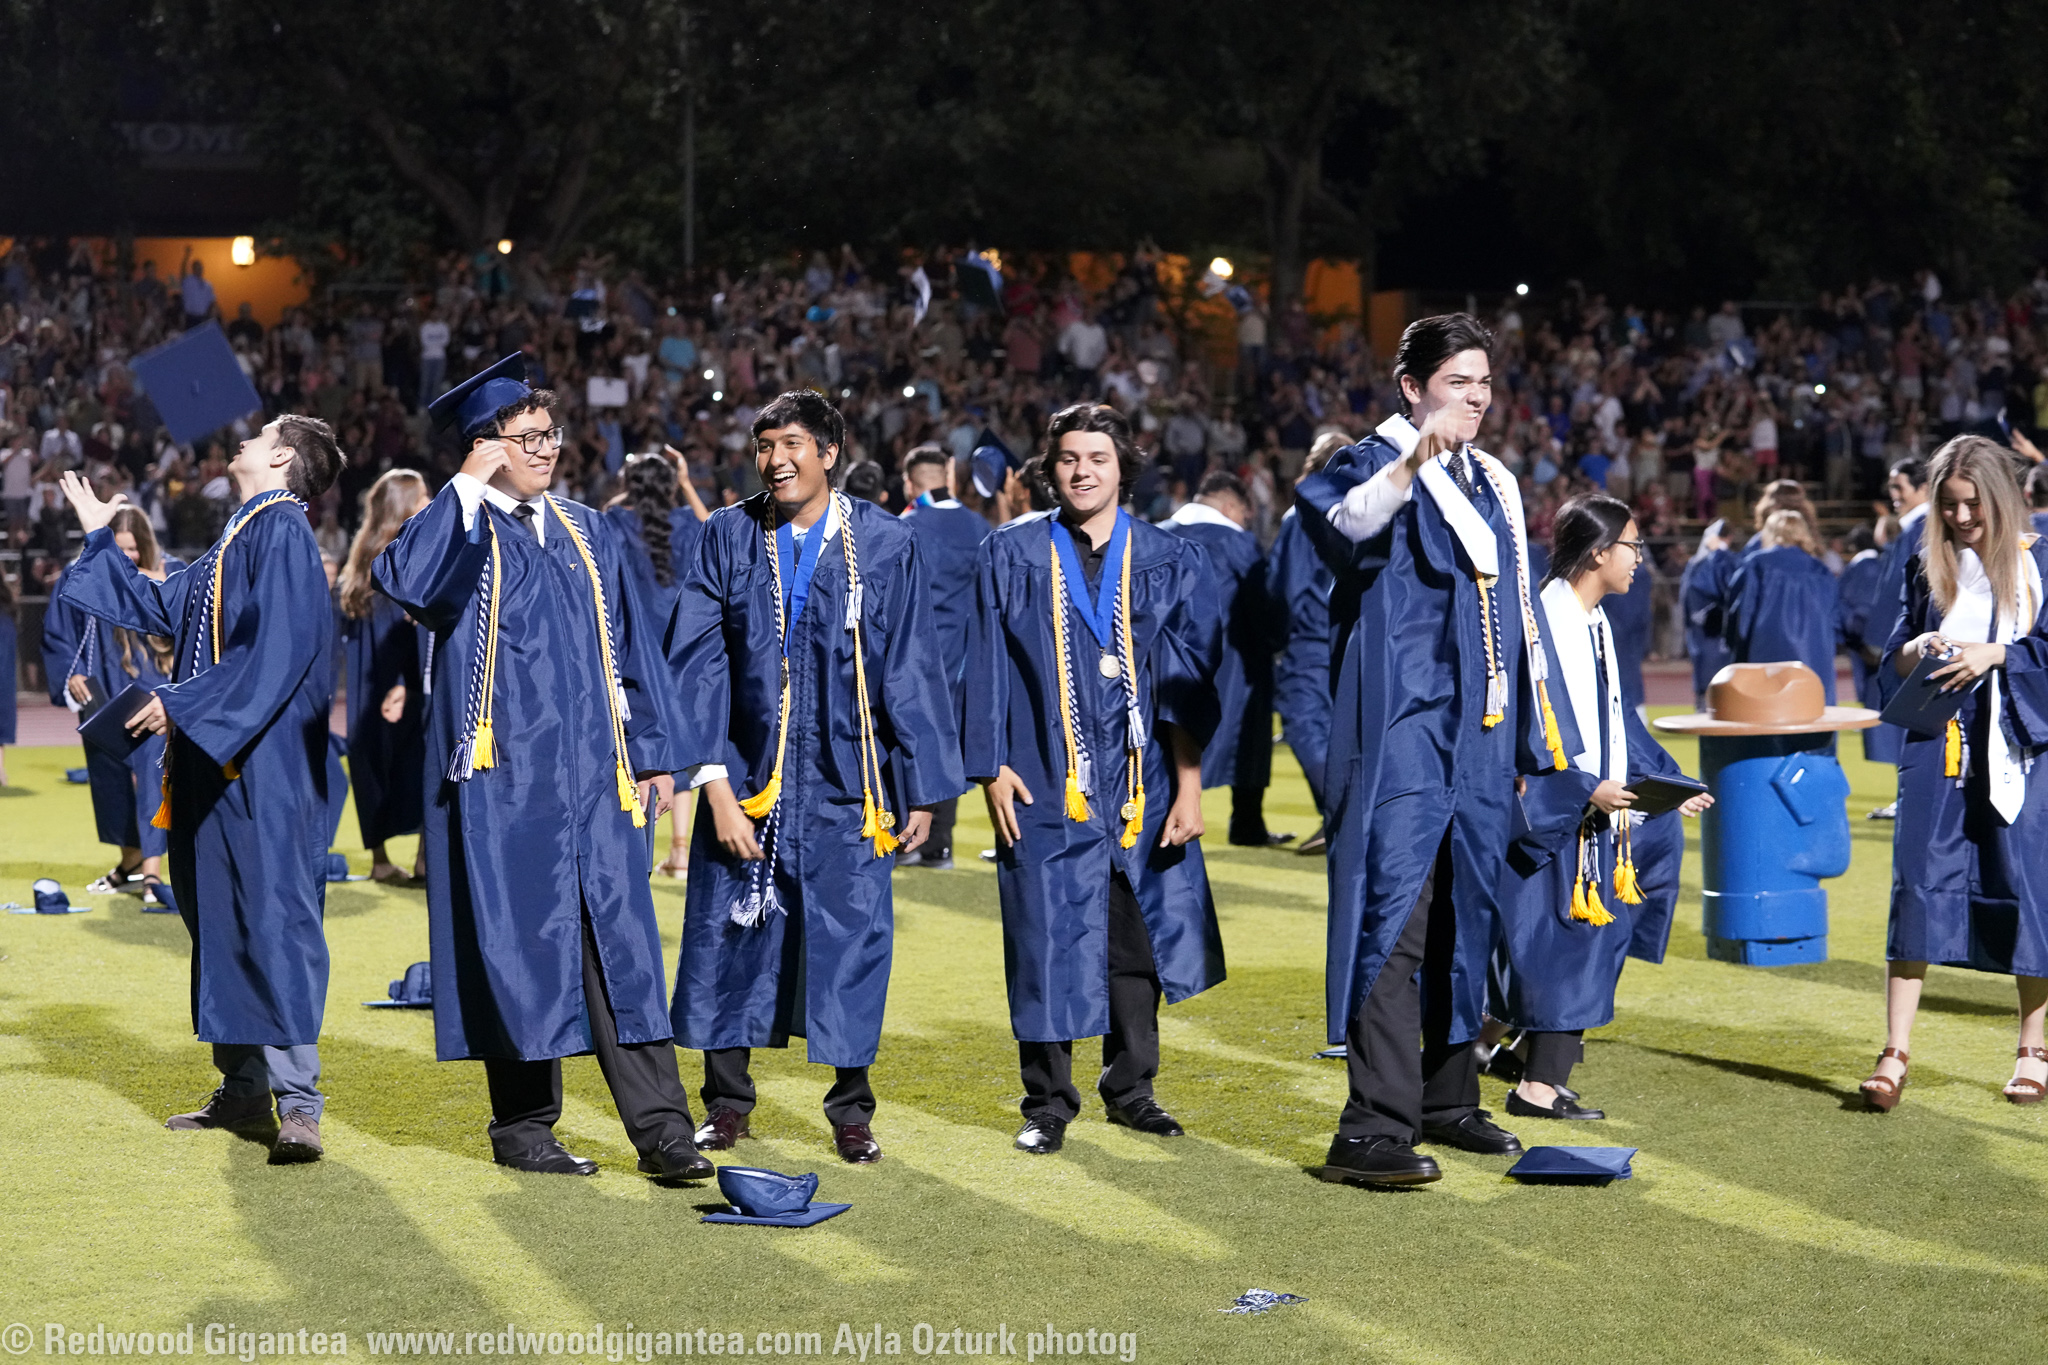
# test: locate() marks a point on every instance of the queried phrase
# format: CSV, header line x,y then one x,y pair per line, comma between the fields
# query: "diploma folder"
x,y
107,730
1920,705
1656,795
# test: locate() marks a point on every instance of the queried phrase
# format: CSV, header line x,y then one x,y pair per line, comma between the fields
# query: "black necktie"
x,y
1460,475
526,515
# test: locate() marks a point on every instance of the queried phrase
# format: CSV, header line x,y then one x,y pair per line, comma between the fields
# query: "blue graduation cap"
x,y
49,900
413,991
196,383
476,400
158,900
980,282
990,463
1574,1165
771,1199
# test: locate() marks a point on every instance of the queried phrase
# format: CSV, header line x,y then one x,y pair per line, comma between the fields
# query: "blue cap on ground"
x,y
1574,1164
196,384
474,403
771,1199
50,897
413,991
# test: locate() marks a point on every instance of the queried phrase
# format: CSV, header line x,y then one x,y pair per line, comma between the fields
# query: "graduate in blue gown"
x,y
808,679
949,538
1298,585
547,756
1240,756
1784,604
1703,602
1091,691
246,777
658,534
1587,884
1906,487
1969,879
1863,628
1439,704
80,652
1632,617
385,654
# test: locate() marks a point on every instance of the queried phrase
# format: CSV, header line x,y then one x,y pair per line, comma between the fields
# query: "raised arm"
x,y
437,561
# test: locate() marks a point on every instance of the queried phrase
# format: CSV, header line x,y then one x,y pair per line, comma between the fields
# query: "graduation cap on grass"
x,y
771,1199
474,403
49,900
1574,1165
196,384
990,464
413,991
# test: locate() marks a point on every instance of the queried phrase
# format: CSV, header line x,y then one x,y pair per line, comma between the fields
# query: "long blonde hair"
x,y
1984,464
396,495
1788,526
150,559
1785,494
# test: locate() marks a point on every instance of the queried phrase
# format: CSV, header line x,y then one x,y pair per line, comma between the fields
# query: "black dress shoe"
x,y
1472,1133
1258,838
1377,1160
546,1158
1145,1115
677,1160
1042,1135
223,1110
1565,1106
722,1128
856,1143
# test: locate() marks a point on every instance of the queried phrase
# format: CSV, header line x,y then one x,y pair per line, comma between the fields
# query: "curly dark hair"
x,y
1101,419
651,493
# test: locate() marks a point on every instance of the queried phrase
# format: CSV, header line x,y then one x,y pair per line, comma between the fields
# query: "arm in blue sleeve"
x,y
985,689
434,565
1189,650
101,582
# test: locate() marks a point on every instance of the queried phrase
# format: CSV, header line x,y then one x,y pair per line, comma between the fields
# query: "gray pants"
x,y
290,1073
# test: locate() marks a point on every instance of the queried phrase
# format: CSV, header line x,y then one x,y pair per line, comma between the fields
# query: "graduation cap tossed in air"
x,y
771,1199
1574,1165
990,463
474,403
196,383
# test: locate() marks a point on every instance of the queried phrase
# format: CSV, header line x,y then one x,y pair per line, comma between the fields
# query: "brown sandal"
x,y
2021,1090
1882,1092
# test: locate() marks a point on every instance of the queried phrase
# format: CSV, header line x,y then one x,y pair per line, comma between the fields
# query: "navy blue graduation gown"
x,y
1241,752
655,602
1783,606
949,540
1409,757
386,759
1632,618
522,852
1055,882
125,793
820,969
1558,974
1968,890
1703,598
1298,590
1861,625
1886,743
248,853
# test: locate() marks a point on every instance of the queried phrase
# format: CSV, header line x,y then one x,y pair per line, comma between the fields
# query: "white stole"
x,y
1972,617
1571,627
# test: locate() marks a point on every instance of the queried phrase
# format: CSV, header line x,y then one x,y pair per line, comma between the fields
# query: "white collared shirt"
x,y
1199,514
473,491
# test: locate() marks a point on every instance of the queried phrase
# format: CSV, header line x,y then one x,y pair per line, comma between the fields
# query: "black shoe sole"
x,y
680,1177
1344,1175
1173,1132
1489,1150
1037,1151
294,1154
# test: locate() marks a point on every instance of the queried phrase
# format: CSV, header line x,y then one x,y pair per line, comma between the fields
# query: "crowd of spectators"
x,y
1681,414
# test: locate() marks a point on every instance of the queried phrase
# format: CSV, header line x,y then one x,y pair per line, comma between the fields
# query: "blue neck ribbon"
x,y
1100,613
798,568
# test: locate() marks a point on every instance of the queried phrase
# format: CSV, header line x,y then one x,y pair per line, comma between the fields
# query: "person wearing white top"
x,y
1969,884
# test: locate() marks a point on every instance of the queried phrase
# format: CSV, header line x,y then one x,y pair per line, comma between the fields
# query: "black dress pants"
x,y
526,1097
940,840
728,1085
1395,1088
1552,1056
1130,1050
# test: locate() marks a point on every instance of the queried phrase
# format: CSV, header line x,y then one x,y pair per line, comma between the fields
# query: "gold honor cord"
x,y
877,823
230,770
1531,637
1133,811
483,750
629,795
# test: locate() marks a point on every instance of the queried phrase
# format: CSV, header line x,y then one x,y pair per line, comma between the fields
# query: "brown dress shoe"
x,y
223,1110
298,1140
722,1128
855,1143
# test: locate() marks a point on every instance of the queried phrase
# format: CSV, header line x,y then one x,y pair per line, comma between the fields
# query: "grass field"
x,y
1769,1220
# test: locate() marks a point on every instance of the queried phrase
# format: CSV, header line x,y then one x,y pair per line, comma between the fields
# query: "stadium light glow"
x,y
709,373
504,246
1819,389
910,390
1221,268
1521,291
718,395
242,251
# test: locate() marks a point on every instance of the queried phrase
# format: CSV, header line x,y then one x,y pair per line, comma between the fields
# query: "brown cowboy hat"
x,y
1767,699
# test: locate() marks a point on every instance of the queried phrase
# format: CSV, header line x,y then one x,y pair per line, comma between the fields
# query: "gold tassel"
x,y
1952,749
1551,738
760,803
231,771
1136,824
629,796
162,818
1596,914
878,825
1579,898
1077,801
1626,886
483,752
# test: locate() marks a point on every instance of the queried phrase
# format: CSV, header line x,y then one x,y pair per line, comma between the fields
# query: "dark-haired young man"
x,y
1091,667
949,540
546,758
1240,756
245,774
1435,714
1906,486
808,678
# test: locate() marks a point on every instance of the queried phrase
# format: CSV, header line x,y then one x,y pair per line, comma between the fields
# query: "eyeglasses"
x,y
1641,547
532,441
